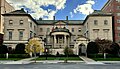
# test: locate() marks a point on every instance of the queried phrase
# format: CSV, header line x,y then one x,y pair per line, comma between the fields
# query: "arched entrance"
x,y
82,49
81,45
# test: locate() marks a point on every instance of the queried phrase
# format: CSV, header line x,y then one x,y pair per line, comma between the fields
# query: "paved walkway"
x,y
23,61
89,61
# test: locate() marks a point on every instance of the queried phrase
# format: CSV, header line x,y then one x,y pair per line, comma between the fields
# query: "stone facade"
x,y
99,25
18,28
5,7
57,34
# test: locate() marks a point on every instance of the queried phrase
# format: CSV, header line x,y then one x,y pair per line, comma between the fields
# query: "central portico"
x,y
60,37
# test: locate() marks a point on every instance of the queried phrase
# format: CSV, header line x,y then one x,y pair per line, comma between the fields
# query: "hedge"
x,y
101,56
15,56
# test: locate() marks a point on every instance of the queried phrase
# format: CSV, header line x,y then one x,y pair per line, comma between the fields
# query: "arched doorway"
x,y
82,49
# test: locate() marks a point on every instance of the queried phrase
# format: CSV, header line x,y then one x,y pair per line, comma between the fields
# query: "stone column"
x,y
68,41
54,40
65,41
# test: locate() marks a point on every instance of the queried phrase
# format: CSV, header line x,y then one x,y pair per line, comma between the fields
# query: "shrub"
x,y
113,49
101,56
3,49
20,48
92,48
68,51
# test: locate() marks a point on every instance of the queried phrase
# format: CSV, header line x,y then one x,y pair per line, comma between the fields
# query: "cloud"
x,y
35,6
85,8
71,14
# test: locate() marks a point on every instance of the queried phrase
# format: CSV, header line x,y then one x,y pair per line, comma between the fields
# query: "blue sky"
x,y
46,9
72,4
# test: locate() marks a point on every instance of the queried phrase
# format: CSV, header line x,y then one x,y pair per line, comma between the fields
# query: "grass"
x,y
58,58
15,59
107,59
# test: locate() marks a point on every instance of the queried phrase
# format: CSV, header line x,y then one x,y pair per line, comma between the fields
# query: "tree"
x,y
113,49
3,49
68,51
92,48
34,46
20,48
104,44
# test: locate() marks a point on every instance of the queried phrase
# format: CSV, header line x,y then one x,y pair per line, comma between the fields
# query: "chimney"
x,y
54,18
66,18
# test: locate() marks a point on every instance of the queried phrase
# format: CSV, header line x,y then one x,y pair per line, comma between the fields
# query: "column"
x,y
65,41
54,40
68,41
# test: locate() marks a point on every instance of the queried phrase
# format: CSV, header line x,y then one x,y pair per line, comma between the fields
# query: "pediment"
x,y
60,23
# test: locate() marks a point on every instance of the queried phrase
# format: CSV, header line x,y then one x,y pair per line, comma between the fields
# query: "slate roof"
x,y
69,22
100,13
19,13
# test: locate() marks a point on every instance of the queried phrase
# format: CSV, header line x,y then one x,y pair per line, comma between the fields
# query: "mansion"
x,y
19,26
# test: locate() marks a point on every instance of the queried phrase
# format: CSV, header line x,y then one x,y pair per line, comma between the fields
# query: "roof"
x,y
19,13
98,13
69,22
60,30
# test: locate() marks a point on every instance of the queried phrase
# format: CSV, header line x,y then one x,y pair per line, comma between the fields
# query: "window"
x,y
118,28
118,34
20,35
118,7
106,31
118,0
10,35
48,29
105,22
79,30
96,33
31,24
95,22
118,21
21,22
34,34
10,22
118,14
34,28
41,30
72,29
30,34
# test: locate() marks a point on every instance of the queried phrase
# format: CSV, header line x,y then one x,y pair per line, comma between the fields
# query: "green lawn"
x,y
107,59
15,59
58,58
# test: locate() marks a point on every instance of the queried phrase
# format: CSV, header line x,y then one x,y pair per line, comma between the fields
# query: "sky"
x,y
46,9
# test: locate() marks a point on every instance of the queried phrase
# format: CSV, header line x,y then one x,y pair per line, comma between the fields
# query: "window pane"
x,y
72,29
95,22
105,22
48,29
10,35
20,35
41,29
79,30
118,21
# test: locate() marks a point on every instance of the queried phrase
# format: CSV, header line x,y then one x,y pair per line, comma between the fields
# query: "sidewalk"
x,y
23,61
89,61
